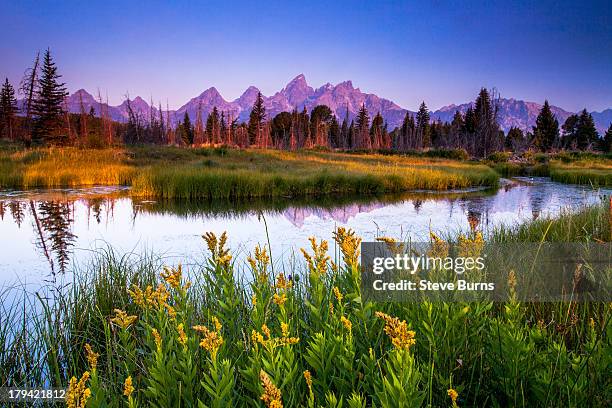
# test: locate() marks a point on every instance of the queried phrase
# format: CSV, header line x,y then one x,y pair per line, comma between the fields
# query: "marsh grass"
x,y
508,354
169,172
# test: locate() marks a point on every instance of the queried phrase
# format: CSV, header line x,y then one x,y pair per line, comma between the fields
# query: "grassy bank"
x,y
569,168
267,337
228,173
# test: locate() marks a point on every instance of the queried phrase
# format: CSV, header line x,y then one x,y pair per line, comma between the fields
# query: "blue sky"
x,y
441,52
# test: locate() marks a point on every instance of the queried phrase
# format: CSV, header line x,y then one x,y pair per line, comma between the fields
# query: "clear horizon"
x,y
441,52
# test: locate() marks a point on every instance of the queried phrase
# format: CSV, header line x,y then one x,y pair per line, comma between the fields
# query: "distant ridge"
x,y
297,94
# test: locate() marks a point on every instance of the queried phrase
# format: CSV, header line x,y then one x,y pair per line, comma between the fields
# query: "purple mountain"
x,y
297,94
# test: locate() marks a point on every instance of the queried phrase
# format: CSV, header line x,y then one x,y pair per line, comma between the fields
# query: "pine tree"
x,y
515,140
376,132
423,127
47,107
256,119
486,135
334,133
546,130
362,129
586,133
187,130
8,110
344,131
213,127
606,142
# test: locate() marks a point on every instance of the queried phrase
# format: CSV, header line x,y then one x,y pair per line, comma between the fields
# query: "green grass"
x,y
169,172
508,354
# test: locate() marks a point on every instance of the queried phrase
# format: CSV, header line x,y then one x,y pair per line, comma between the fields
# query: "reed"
x,y
169,172
222,336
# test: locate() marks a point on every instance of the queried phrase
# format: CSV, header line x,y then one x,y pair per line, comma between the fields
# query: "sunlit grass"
x,y
227,173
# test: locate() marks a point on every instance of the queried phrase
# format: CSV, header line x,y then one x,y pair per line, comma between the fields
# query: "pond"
x,y
47,232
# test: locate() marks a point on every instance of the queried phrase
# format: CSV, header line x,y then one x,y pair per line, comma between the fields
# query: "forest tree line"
x,y
44,120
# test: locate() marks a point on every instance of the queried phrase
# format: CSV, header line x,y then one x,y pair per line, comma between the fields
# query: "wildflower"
x,y
346,323
217,248
349,245
157,338
92,357
172,276
212,340
453,396
331,308
182,336
256,337
272,342
337,294
259,264
78,393
439,248
471,247
272,396
128,388
398,332
308,379
283,283
317,262
122,319
279,299
254,300
150,298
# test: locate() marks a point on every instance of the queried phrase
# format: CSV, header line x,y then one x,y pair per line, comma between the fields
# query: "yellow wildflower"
x,y
217,248
266,330
279,299
78,393
471,247
128,388
256,337
272,396
92,357
317,262
157,338
453,396
122,319
212,340
172,276
349,245
182,336
308,379
338,294
283,283
398,332
272,342
254,300
346,323
439,247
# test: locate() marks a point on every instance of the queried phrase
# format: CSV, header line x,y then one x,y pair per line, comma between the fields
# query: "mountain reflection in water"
x,y
44,230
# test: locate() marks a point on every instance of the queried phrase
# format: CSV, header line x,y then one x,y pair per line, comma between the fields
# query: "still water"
x,y
44,233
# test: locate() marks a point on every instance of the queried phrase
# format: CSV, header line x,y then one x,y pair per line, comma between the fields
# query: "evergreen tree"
x,y
213,127
344,133
256,119
423,127
47,106
569,128
546,130
606,142
334,133
362,129
187,130
586,134
486,137
515,140
8,110
376,132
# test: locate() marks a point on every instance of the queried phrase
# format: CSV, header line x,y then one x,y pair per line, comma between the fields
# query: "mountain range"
x,y
339,98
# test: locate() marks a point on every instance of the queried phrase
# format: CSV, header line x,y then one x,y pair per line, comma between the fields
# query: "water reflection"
x,y
46,229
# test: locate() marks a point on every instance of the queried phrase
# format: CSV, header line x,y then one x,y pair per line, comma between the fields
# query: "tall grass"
x,y
227,173
306,336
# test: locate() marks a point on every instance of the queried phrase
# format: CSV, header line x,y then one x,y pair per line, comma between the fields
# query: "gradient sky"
x,y
441,52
